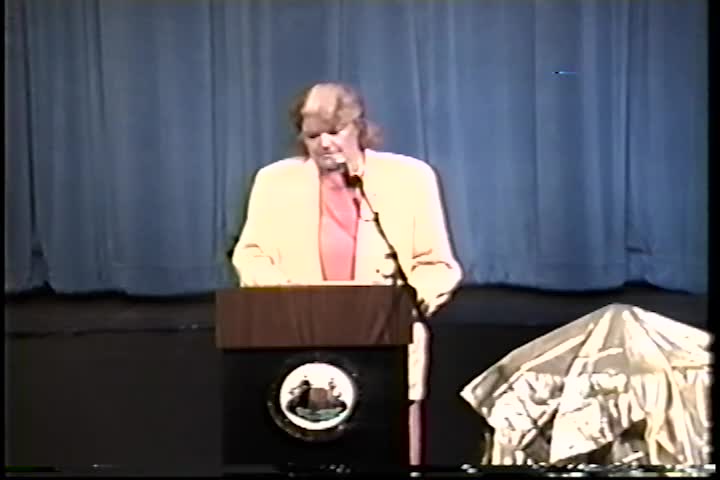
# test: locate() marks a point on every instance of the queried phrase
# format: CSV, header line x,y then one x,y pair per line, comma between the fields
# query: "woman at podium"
x,y
343,211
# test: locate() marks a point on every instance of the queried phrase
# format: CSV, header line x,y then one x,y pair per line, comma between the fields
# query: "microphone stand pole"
x,y
414,411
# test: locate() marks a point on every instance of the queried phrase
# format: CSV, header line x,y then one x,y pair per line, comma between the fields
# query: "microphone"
x,y
356,181
352,179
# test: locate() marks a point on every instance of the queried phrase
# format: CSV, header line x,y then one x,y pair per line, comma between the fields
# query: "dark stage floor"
x,y
136,382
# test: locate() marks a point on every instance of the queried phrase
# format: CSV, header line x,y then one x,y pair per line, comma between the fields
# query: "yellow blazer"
x,y
279,243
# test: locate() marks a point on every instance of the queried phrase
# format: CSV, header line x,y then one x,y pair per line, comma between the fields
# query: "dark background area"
x,y
136,382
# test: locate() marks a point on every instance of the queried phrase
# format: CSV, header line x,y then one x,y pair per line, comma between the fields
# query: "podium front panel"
x,y
265,425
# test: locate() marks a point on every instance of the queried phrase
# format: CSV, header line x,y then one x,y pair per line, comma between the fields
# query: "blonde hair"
x,y
337,104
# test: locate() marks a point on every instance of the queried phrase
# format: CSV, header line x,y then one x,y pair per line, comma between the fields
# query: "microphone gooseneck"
x,y
399,278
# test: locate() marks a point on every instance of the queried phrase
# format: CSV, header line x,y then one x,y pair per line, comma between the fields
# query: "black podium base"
x,y
257,429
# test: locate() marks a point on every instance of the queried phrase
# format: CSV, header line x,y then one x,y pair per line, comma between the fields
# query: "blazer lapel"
x,y
305,214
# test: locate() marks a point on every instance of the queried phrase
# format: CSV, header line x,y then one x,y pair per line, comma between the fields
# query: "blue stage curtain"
x,y
570,137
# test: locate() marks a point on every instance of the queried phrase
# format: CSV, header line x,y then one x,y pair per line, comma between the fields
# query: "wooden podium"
x,y
315,376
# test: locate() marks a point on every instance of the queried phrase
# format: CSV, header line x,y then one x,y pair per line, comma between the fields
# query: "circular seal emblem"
x,y
314,401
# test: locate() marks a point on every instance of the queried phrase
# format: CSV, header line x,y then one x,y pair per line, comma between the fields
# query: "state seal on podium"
x,y
314,400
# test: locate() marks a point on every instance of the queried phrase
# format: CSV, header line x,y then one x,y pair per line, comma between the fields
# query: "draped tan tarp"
x,y
619,385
